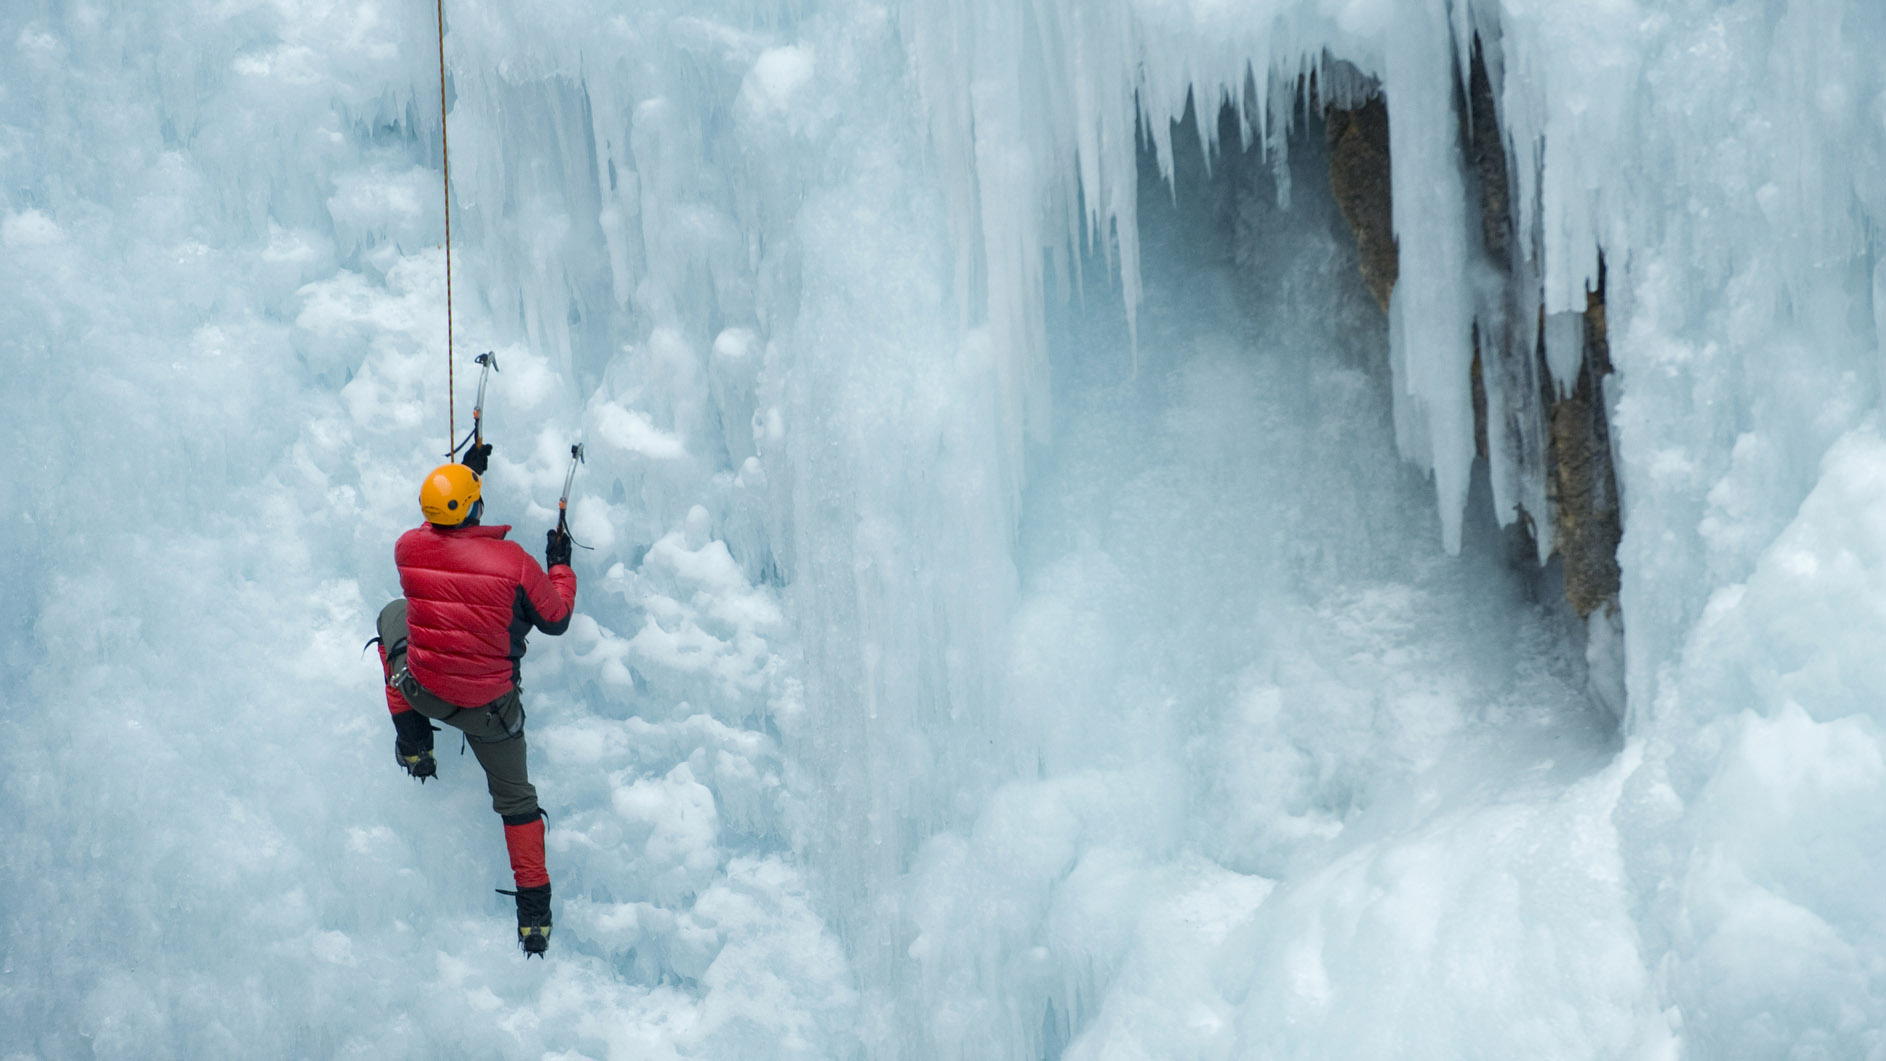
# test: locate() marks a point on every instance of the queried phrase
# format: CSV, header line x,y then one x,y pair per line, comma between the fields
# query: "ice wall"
x,y
225,347
776,279
1739,208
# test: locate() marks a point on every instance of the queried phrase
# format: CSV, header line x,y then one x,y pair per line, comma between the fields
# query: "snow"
x,y
776,78
1038,605
30,228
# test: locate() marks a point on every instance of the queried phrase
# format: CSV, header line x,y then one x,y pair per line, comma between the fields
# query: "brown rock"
x,y
1486,156
1584,485
1359,175
1477,376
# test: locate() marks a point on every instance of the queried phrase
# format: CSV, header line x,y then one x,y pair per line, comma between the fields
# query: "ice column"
x,y
1431,309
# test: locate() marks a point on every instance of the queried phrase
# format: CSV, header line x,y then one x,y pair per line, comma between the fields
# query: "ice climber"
x,y
451,649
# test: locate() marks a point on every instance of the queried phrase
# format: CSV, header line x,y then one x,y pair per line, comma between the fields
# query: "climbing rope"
x,y
445,155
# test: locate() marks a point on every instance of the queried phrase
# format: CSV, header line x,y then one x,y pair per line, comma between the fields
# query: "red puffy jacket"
x,y
471,598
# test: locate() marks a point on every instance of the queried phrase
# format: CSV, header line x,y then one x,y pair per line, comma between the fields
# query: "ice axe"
x,y
477,434
563,502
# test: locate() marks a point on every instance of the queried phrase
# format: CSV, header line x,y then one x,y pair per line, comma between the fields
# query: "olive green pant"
x,y
495,730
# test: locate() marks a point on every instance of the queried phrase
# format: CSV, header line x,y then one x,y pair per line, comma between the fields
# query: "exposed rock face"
x,y
1359,174
1584,486
1486,157
1477,373
1580,483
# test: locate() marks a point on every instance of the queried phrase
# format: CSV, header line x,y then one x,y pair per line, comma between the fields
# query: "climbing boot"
x,y
419,764
533,918
412,747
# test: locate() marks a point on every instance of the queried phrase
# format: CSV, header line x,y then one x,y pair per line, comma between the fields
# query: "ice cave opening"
x,y
1252,675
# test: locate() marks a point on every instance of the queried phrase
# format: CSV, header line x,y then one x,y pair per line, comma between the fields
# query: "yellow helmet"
x,y
448,495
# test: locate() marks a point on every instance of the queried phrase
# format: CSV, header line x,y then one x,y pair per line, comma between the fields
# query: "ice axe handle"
x,y
563,502
490,362
476,436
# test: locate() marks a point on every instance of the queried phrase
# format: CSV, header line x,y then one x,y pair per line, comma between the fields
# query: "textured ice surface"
x,y
961,671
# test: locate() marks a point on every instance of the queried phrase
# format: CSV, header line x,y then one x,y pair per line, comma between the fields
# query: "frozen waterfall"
x,y
1053,593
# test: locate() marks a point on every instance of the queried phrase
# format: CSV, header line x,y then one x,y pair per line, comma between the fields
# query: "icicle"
x,y
1432,302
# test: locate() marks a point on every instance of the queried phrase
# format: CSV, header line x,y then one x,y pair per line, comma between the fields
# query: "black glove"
x,y
476,457
556,548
